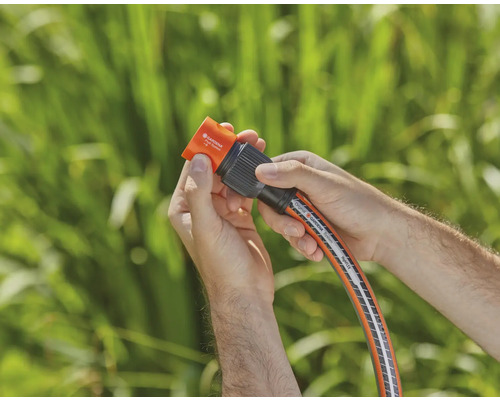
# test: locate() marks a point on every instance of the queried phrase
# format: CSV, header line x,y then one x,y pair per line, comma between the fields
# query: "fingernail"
x,y
242,212
291,230
302,244
269,170
199,163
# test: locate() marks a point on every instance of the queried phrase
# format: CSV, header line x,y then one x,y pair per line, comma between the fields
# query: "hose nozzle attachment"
x,y
235,163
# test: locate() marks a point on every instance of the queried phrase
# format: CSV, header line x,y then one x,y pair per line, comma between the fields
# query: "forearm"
x,y
456,275
249,347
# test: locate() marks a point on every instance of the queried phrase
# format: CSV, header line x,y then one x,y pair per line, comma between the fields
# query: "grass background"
x,y
97,296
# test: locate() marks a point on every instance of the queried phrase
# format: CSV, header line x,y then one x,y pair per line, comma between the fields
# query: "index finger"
x,y
181,183
312,160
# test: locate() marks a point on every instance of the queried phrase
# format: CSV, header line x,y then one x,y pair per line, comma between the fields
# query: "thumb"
x,y
290,173
198,192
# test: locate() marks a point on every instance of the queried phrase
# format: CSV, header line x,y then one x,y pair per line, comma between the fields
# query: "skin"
x,y
453,273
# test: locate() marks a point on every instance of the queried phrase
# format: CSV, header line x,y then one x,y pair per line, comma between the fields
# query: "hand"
x,y
456,275
217,229
358,211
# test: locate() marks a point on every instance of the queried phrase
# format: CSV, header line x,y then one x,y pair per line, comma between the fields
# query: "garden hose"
x,y
235,163
359,291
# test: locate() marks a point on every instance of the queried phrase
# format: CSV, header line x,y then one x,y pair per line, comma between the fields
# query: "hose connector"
x,y
235,163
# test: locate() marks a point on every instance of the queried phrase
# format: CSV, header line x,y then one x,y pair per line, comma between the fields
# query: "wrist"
x,y
236,302
394,235
239,291
250,351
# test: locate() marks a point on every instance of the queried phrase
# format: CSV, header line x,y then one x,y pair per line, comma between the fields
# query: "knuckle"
x,y
307,155
174,219
172,212
313,160
190,188
294,166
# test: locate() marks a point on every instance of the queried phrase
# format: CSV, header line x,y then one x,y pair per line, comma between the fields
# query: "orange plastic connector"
x,y
211,139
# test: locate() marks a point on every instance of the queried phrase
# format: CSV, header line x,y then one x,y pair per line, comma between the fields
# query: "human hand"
x,y
218,231
357,210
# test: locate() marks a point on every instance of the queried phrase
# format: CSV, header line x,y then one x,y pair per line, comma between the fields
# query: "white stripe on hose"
x,y
350,269
325,234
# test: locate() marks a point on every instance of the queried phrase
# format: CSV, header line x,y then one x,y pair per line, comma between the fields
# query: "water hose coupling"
x,y
235,163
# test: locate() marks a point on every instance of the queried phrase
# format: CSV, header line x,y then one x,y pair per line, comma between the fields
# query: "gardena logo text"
x,y
209,141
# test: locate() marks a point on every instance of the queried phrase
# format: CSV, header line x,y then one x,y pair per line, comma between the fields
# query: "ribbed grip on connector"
x,y
240,176
237,171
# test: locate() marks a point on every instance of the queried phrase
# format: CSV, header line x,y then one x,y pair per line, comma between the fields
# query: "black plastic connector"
x,y
237,171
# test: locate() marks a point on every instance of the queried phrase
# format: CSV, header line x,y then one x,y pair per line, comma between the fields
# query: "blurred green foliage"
x,y
97,296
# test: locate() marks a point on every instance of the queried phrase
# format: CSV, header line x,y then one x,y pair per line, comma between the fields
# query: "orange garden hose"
x,y
359,290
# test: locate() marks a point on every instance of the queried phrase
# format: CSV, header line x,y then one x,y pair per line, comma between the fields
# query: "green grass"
x,y
97,296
